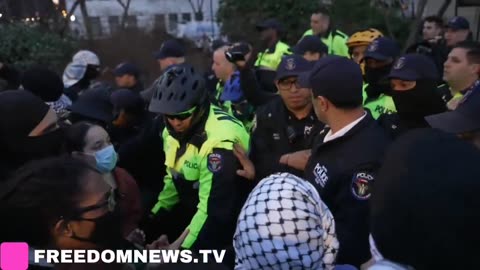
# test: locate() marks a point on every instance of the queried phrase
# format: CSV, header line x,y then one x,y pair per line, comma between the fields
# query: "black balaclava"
x,y
21,112
413,105
378,82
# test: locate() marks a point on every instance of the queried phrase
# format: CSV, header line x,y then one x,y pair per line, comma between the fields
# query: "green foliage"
x,y
238,18
351,16
24,46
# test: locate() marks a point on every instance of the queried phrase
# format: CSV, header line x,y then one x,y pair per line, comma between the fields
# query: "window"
x,y
186,17
172,22
160,22
96,26
131,22
114,23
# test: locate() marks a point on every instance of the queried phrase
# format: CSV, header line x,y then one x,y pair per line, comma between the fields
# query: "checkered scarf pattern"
x,y
285,225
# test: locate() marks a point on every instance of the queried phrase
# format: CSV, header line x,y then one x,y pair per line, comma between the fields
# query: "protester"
x,y
28,130
70,204
419,208
80,73
284,224
130,116
93,106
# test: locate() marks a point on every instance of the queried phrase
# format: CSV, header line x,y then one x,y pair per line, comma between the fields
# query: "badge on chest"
x,y
321,175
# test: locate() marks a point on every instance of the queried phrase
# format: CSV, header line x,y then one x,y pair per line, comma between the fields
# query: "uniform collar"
x,y
364,122
291,117
343,131
272,48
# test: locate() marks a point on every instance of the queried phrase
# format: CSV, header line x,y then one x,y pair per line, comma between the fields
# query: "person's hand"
x,y
297,160
241,48
163,244
137,236
248,170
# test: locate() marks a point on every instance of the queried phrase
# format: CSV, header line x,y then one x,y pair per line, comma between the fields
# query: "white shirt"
x,y
343,131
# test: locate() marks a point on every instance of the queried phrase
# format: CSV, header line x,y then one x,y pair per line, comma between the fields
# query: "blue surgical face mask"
x,y
106,159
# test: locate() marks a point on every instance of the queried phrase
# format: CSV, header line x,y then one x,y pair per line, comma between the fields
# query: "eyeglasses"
x,y
285,85
111,198
181,116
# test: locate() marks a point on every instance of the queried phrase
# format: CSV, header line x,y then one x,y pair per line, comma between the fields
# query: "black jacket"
x,y
273,138
143,157
343,171
254,94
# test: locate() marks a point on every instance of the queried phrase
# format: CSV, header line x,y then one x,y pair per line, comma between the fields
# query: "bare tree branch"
x,y
193,6
86,20
67,19
444,7
415,24
122,4
386,15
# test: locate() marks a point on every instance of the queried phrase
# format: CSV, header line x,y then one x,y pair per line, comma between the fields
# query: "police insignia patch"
x,y
214,162
373,46
361,185
400,63
290,65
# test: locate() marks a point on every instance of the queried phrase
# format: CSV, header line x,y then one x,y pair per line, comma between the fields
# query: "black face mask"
x,y
378,82
421,101
107,232
31,148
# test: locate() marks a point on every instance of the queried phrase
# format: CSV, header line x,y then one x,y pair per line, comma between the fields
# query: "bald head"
x,y
221,67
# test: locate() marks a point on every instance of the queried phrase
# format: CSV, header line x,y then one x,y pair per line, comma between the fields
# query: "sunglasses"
x,y
181,116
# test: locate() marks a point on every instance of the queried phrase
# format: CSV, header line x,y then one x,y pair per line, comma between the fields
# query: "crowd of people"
x,y
341,152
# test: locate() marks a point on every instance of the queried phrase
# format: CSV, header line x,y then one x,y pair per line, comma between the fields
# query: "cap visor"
x,y
158,55
304,79
298,51
377,56
451,122
287,74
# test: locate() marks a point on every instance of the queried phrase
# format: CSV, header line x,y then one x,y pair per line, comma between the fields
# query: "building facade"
x,y
106,15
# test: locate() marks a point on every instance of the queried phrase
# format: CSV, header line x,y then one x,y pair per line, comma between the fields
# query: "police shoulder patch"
x,y
362,185
214,162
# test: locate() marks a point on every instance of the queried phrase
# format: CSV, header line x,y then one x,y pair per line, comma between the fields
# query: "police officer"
x,y
358,42
170,54
287,123
127,76
311,48
346,155
268,60
461,71
464,121
201,182
379,58
321,25
414,80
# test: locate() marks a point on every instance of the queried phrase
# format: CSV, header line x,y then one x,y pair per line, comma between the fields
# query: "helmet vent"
x,y
170,96
182,97
195,85
184,80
